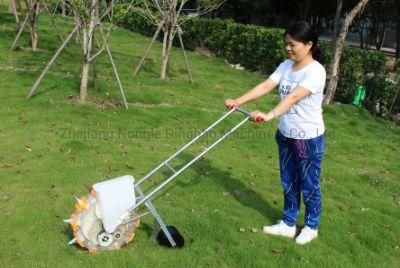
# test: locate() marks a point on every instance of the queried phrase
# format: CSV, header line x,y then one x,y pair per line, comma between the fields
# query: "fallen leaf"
x,y
29,149
278,250
7,165
22,121
354,234
219,250
129,166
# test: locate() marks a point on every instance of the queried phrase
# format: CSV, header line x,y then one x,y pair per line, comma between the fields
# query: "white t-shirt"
x,y
304,120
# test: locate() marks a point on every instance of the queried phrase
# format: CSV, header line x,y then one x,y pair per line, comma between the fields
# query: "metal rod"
x,y
188,164
184,147
243,111
171,168
137,217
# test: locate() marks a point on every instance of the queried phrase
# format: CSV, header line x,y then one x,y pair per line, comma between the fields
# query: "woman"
x,y
300,134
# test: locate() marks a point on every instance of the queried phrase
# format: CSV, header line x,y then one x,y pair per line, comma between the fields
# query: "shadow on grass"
x,y
243,194
6,18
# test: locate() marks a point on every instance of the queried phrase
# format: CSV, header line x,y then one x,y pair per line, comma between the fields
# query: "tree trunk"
x,y
303,8
11,6
360,30
165,55
336,22
63,8
87,41
380,37
398,35
85,66
334,77
33,25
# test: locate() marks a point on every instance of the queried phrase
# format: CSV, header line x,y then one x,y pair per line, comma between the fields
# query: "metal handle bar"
x,y
243,111
191,142
176,173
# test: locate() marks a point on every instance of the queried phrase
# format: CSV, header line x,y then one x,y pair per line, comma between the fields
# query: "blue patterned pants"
x,y
300,170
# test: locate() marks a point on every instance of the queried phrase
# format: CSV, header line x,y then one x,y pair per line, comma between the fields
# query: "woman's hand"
x,y
259,117
231,103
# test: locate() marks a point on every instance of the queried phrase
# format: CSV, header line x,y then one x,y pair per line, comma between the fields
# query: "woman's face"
x,y
295,50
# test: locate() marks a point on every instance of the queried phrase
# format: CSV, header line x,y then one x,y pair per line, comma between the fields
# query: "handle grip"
x,y
259,119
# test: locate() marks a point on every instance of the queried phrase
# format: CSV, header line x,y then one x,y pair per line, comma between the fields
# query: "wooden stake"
x,y
184,54
114,68
52,20
21,29
137,69
50,63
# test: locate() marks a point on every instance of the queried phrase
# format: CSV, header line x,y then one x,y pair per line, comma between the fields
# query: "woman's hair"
x,y
304,32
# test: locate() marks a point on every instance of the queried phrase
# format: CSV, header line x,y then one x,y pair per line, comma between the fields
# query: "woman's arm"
x,y
255,93
284,105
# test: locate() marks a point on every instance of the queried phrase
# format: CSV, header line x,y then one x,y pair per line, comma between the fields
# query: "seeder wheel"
x,y
88,228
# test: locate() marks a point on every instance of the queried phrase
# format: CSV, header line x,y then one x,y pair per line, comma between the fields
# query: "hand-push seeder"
x,y
108,216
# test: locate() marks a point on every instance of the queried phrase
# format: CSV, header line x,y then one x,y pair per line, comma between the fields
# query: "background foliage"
x,y
261,49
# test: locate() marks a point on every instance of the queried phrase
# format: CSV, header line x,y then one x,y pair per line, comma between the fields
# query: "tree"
x,y
168,16
397,11
379,15
88,19
336,22
13,7
34,9
334,70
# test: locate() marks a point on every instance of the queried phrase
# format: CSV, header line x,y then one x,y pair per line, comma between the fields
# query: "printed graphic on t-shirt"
x,y
286,86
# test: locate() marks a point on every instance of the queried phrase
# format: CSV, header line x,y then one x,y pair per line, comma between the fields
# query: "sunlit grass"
x,y
51,147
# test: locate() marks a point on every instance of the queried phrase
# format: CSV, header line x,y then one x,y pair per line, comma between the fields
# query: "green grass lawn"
x,y
51,147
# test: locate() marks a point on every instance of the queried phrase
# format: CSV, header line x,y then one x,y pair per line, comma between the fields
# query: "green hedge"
x,y
261,49
255,48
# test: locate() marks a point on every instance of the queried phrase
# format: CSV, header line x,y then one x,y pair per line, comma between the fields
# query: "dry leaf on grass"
x,y
129,166
278,250
354,234
7,165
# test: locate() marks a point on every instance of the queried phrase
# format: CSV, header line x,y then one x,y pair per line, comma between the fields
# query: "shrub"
x,y
260,49
380,94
